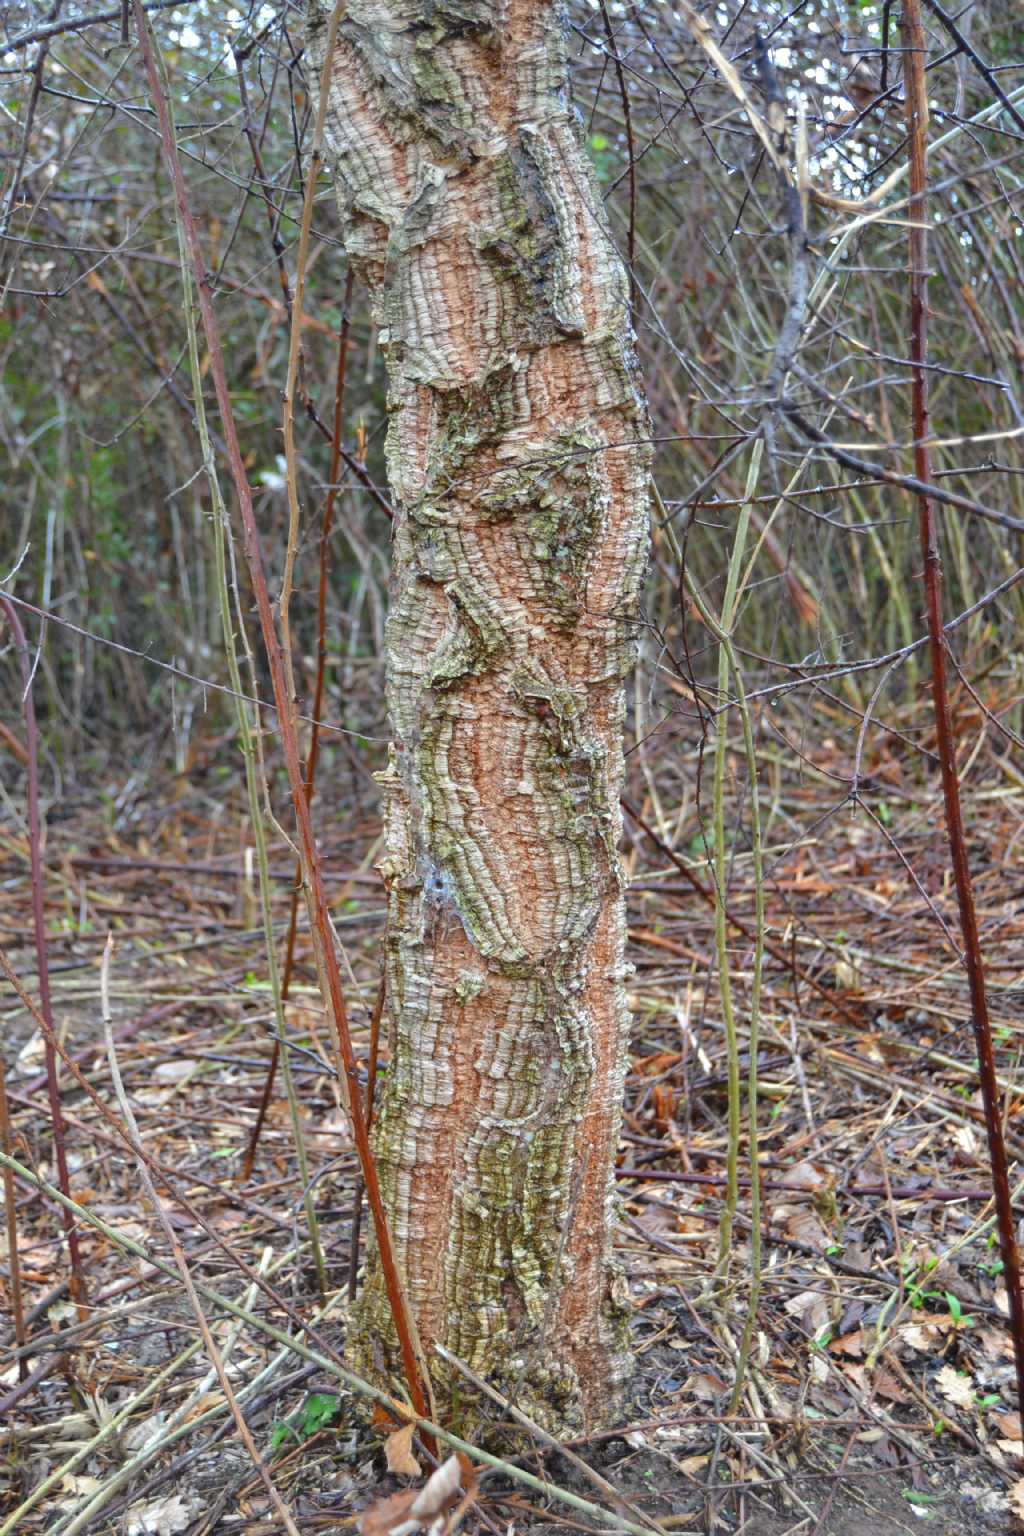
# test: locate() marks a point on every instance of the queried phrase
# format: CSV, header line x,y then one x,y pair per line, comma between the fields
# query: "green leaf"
x,y
316,1413
279,1434
319,1409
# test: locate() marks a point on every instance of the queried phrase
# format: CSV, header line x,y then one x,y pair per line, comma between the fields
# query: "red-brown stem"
x,y
917,125
312,874
14,1263
326,524
78,1293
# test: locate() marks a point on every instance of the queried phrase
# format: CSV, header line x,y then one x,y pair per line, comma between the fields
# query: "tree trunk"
x,y
518,460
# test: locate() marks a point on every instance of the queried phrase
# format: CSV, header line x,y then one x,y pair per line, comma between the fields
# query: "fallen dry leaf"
x,y
202,1404
162,1517
955,1388
812,1308
175,1071
926,1333
389,1517
805,1227
803,1176
31,1056
702,1385
398,1450
691,1465
148,1429
849,1344
75,1488
966,1139
883,1381
403,1514
996,1342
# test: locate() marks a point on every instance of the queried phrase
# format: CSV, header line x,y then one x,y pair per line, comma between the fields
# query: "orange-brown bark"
x,y
518,462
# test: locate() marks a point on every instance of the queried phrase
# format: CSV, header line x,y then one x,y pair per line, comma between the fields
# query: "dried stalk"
x,y
914,49
600,1483
371,1087
295,345
11,1220
181,1263
78,1291
183,1423
723,627
248,739
326,524
327,960
332,1367
724,638
109,1428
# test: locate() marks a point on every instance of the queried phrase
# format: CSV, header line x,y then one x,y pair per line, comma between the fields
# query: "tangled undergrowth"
x,y
879,1387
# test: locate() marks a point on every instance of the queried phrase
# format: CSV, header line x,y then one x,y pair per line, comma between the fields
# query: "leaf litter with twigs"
x,y
880,1346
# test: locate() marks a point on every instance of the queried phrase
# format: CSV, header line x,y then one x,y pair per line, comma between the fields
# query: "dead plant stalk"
x,y
327,959
312,757
13,1259
916,102
35,843
250,742
212,1351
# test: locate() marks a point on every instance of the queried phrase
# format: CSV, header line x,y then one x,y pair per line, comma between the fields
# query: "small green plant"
x,y
318,1412
915,1275
956,1312
920,1501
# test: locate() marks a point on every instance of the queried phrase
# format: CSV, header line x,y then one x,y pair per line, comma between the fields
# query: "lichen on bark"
x,y
518,462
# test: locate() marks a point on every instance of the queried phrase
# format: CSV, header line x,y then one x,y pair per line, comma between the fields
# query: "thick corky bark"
x,y
518,462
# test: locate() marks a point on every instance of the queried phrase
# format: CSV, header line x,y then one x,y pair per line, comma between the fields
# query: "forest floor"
x,y
880,1390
